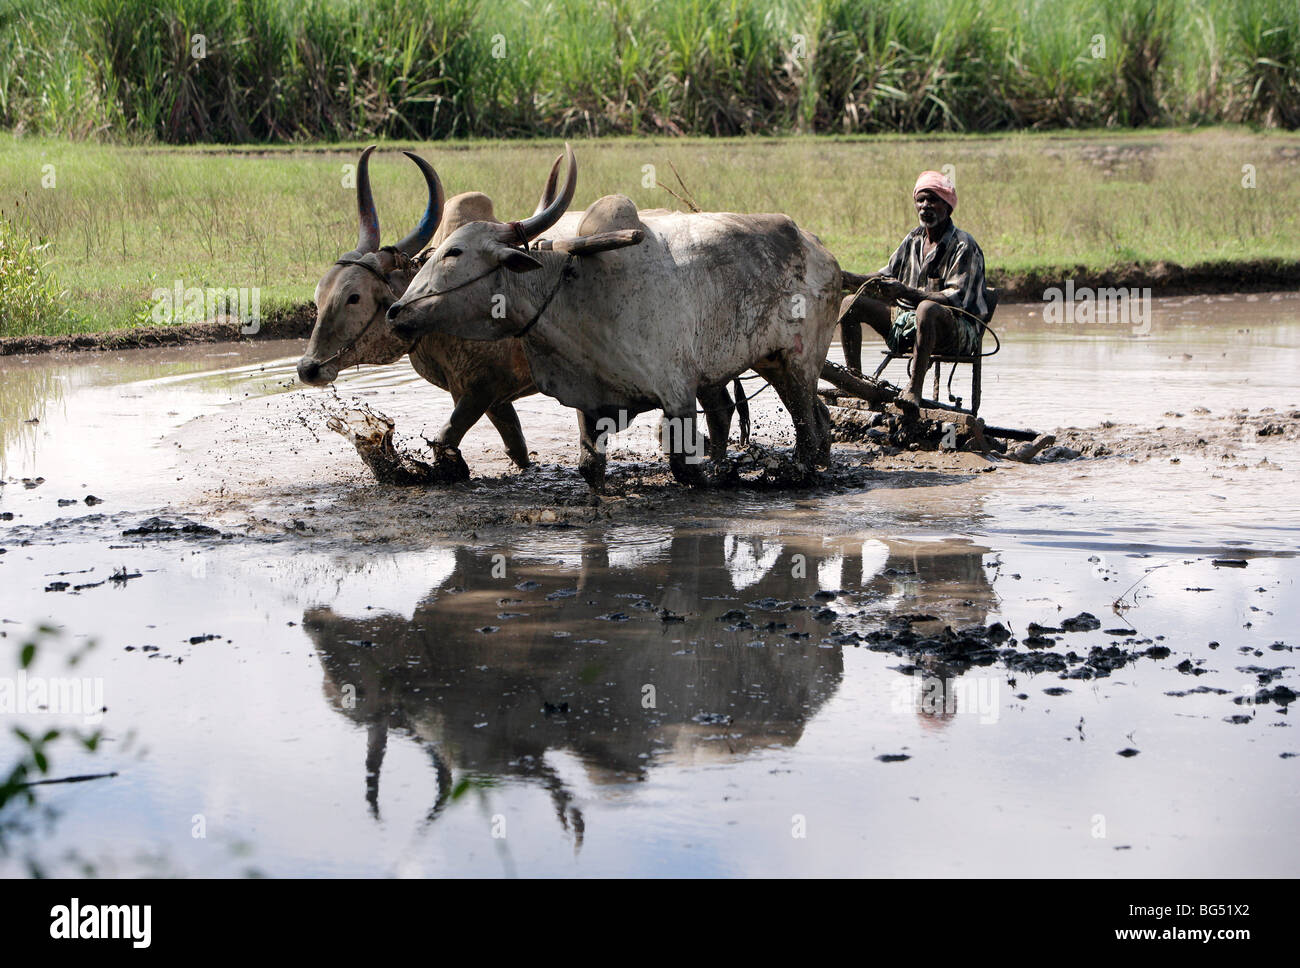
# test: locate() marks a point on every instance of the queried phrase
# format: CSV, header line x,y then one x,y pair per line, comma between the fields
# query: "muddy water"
x,y
353,679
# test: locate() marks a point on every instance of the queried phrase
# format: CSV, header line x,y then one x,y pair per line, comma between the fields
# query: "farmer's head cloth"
x,y
939,184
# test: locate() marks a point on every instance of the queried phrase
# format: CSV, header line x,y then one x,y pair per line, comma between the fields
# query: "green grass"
x,y
121,221
30,300
303,70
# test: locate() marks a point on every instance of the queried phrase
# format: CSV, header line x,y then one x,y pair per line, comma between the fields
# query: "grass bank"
x,y
189,71
116,223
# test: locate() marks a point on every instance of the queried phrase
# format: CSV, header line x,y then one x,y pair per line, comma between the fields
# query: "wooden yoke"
x,y
591,244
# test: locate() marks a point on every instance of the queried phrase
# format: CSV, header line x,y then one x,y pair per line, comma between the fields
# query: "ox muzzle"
x,y
315,373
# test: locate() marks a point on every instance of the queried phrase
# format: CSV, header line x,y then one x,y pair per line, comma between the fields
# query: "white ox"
x,y
701,299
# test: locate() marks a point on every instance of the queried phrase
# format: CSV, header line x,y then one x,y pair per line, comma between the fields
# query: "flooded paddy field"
x,y
933,663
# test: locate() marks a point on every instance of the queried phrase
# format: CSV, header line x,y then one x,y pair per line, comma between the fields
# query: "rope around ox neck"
x,y
564,273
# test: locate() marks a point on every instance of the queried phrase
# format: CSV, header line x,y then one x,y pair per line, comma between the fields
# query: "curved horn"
x,y
539,222
368,237
419,238
548,194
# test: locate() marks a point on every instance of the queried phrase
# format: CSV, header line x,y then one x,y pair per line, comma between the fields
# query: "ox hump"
x,y
461,210
609,214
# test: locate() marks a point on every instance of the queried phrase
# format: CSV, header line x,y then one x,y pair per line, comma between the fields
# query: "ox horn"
x,y
368,238
419,238
539,222
548,194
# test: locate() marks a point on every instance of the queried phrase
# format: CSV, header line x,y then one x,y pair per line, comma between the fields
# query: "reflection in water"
x,y
646,655
926,585
31,389
27,393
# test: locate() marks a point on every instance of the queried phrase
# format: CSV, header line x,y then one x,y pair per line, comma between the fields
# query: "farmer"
x,y
931,294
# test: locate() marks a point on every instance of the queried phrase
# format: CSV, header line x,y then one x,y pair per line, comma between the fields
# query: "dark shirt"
x,y
954,269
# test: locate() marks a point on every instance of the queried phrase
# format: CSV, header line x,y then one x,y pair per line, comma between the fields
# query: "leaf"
x,y
28,653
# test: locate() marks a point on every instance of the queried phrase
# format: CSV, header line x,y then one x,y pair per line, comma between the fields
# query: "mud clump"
x,y
1278,694
371,433
165,528
1083,622
979,645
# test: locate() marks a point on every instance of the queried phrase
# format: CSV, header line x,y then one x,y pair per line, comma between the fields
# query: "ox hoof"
x,y
449,466
689,475
595,478
724,473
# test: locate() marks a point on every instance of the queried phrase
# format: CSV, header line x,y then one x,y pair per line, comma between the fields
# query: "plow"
x,y
867,409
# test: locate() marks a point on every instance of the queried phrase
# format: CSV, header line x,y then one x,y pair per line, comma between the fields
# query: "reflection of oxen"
x,y
592,670
491,674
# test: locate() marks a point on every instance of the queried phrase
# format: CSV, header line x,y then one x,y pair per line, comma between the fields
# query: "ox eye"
x,y
354,298
451,253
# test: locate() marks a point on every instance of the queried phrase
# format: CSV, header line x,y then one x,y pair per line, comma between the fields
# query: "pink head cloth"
x,y
939,184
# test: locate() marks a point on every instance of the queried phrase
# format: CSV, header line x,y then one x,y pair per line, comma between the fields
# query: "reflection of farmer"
x,y
937,268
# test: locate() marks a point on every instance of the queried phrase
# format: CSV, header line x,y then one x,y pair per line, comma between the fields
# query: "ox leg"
x,y
506,421
591,459
681,435
468,408
448,429
825,435
801,402
718,408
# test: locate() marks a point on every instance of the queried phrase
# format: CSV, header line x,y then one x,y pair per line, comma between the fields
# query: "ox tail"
x,y
742,411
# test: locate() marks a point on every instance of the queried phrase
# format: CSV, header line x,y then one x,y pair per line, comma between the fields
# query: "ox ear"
x,y
516,260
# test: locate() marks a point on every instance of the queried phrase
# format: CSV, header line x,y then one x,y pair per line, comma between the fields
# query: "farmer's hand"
x,y
891,289
879,286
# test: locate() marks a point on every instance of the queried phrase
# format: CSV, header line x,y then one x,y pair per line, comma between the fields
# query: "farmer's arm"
x,y
917,296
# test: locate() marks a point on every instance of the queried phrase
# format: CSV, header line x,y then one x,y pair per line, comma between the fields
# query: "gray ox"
x,y
701,299
482,377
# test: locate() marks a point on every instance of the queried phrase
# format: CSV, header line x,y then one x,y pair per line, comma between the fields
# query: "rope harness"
x,y
566,271
467,282
984,327
402,263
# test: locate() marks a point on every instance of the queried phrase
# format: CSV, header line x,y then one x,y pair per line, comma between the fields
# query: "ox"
x,y
482,377
701,299
354,294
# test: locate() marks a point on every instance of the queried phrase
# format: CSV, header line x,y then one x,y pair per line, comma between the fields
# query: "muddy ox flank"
x,y
72,922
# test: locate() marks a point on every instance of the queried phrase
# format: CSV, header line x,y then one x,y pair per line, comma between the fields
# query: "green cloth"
x,y
961,339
